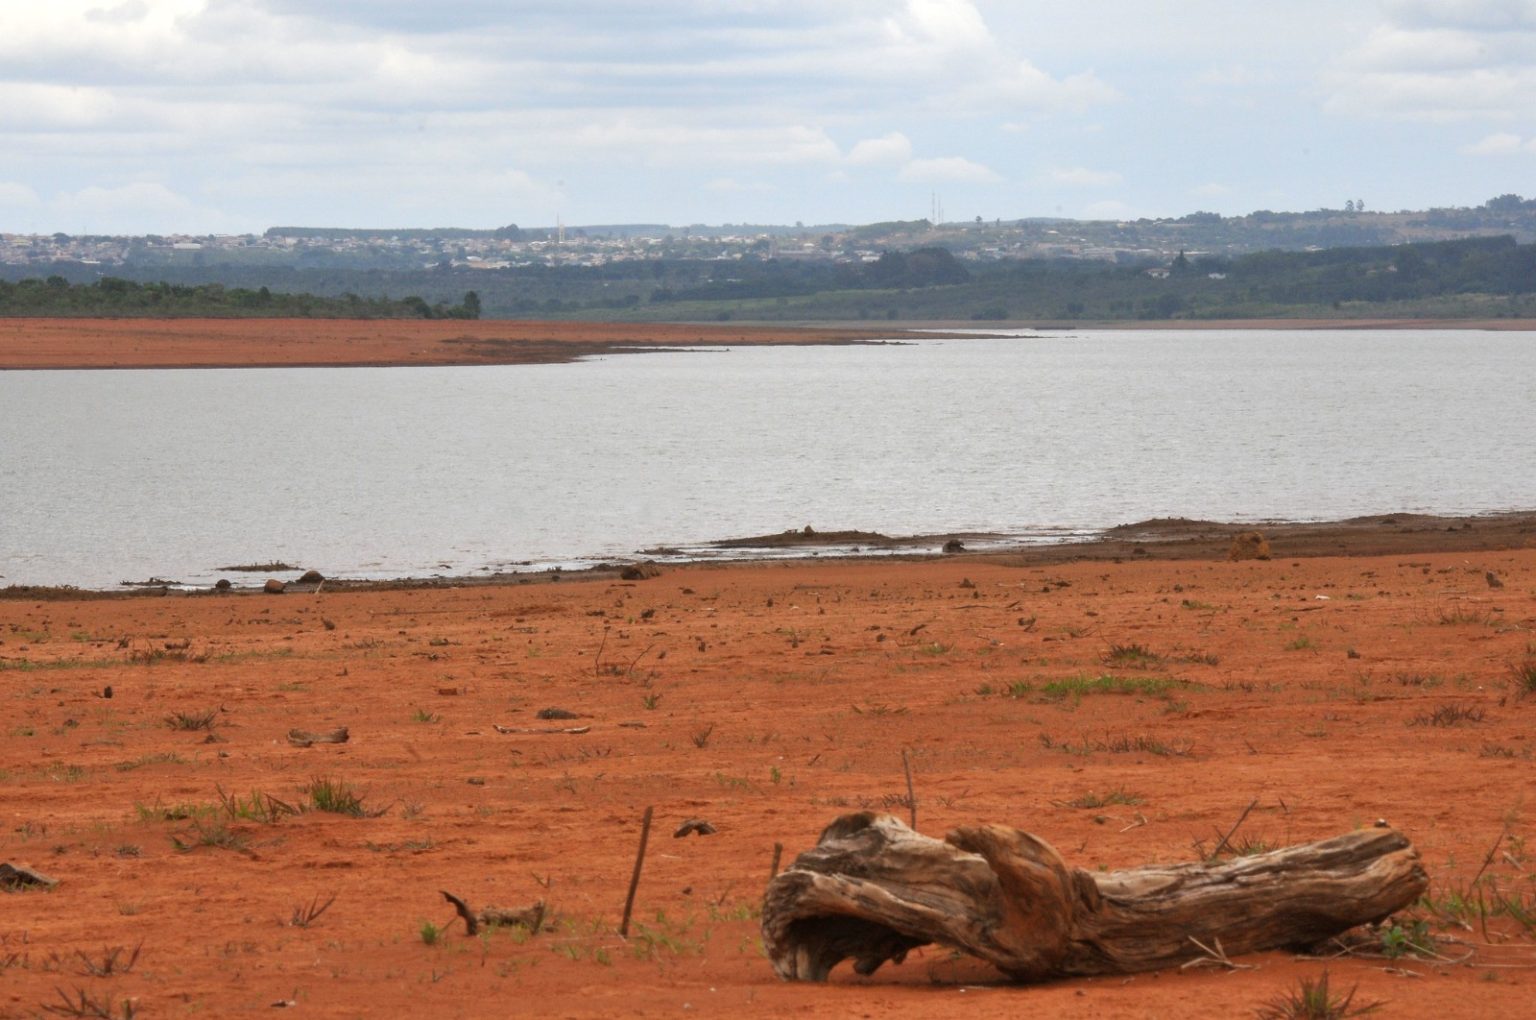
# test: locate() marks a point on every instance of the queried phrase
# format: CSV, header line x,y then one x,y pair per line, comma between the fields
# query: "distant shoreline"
x,y
1164,539
59,343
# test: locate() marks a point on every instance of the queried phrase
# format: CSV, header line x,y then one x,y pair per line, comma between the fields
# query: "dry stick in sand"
x,y
634,880
906,764
1233,831
636,660
597,661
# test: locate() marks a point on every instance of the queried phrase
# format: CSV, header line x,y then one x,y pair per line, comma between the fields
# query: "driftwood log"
x,y
872,889
305,738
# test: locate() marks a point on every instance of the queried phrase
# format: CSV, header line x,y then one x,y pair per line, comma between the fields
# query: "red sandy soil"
x,y
766,699
249,343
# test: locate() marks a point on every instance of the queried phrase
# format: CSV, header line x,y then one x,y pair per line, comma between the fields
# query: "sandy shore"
x,y
38,343
253,343
1367,674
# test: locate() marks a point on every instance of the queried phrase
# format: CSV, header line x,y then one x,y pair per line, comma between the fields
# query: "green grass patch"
x,y
258,807
335,797
1079,687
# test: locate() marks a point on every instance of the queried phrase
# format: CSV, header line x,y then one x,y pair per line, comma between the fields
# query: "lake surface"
x,y
108,476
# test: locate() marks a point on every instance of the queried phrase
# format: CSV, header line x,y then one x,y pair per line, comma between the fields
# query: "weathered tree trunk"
x,y
872,889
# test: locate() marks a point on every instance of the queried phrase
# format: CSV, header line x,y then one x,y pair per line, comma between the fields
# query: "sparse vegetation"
x,y
1113,798
258,807
1079,687
87,1005
1524,675
189,721
335,797
116,960
1132,656
1314,1000
305,915
209,832
1448,715
1120,744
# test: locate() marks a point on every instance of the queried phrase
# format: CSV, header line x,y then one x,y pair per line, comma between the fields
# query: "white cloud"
x,y
124,208
1441,60
1083,177
1496,15
1501,143
128,11
732,186
16,198
892,148
948,170
55,108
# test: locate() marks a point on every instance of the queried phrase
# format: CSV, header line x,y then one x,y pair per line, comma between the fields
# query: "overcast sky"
x,y
158,116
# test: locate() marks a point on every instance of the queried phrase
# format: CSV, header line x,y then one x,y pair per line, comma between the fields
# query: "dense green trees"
x,y
115,296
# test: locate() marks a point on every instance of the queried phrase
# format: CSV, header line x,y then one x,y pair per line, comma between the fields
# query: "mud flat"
x,y
251,343
1126,706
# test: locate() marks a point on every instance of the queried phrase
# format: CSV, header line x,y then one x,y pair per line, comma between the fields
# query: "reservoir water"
x,y
107,476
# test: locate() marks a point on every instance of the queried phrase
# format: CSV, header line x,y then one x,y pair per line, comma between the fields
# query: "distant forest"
x,y
1478,277
113,296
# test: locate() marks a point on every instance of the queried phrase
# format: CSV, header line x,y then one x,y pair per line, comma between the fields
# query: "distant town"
x,y
512,247
1477,262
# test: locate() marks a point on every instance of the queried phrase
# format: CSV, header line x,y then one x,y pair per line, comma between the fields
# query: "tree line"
x,y
114,296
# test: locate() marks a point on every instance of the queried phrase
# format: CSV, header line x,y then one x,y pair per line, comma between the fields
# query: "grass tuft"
x,y
258,807
1101,800
1133,656
191,720
1448,715
336,797
84,1004
1524,674
210,832
1314,1000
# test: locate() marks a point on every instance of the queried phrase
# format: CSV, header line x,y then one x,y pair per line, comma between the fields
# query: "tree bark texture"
x,y
872,889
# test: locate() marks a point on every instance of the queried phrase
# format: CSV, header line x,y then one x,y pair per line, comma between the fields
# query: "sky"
x,y
231,116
